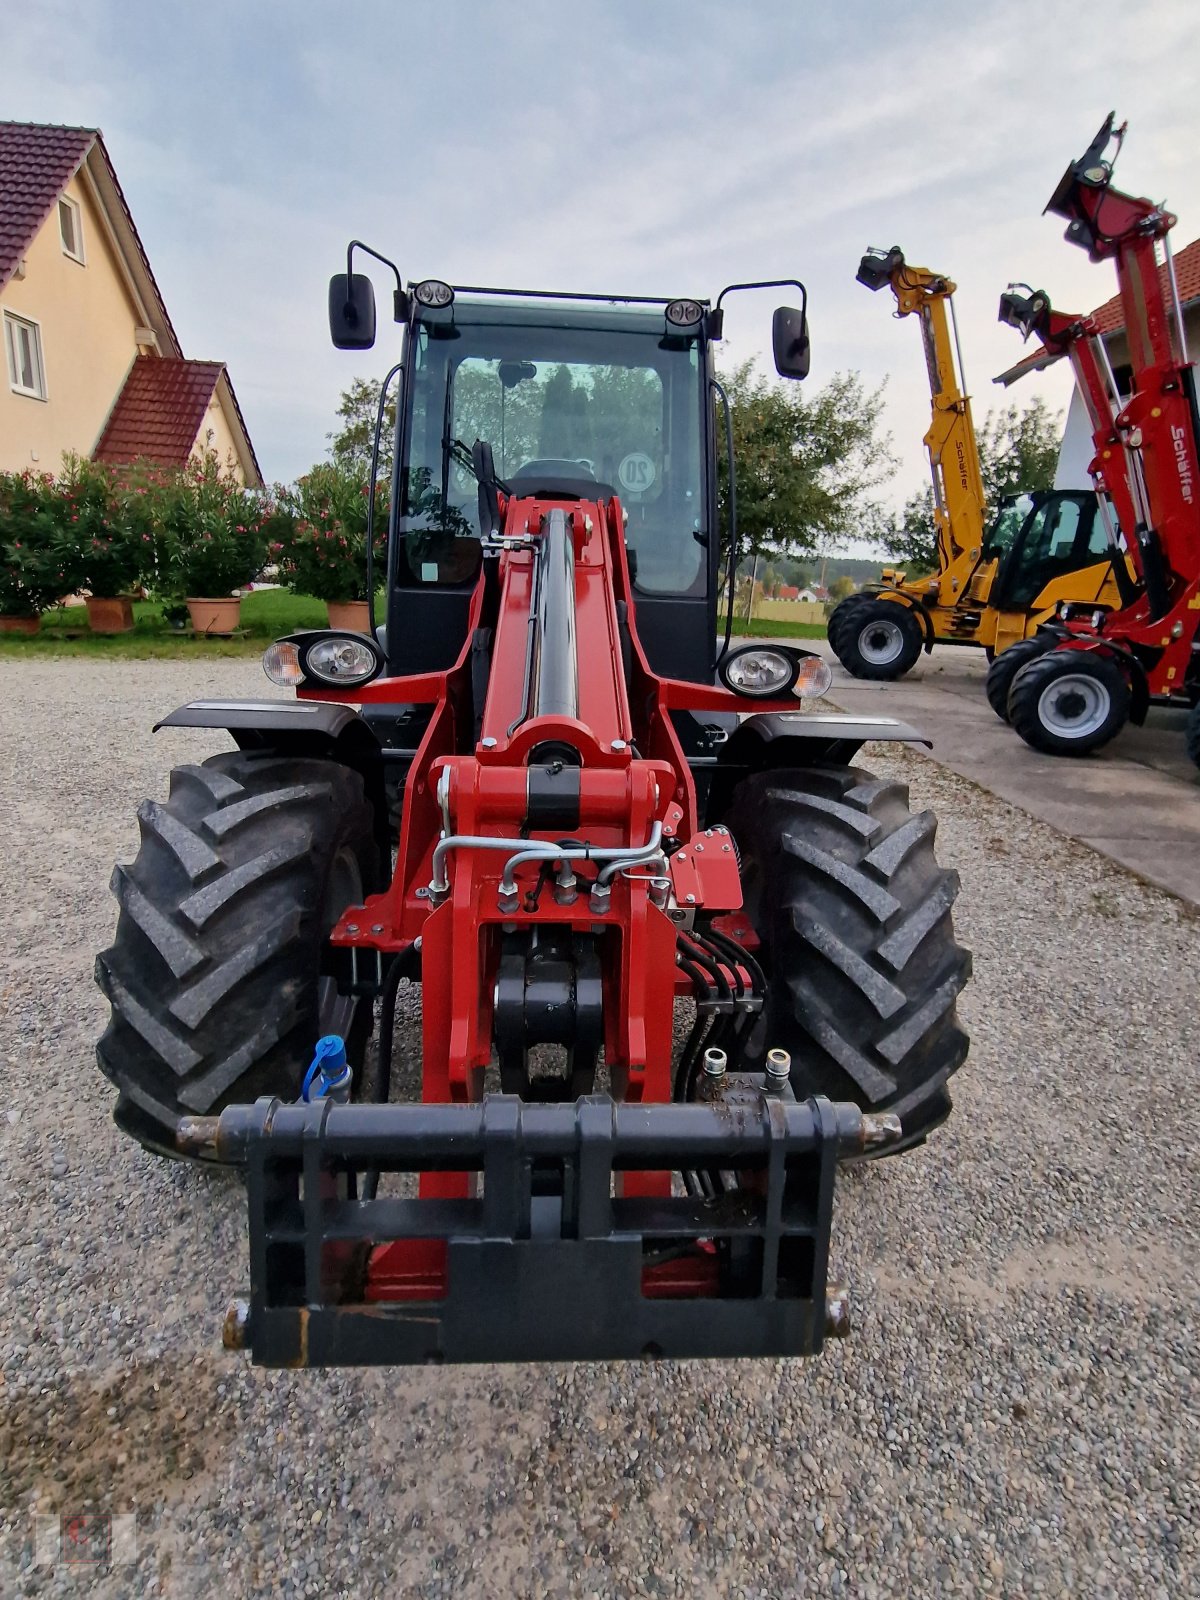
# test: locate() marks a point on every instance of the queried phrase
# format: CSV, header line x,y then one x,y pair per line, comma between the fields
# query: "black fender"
x,y
321,728
775,739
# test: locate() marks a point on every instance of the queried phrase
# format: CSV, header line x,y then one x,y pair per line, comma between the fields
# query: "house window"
x,y
26,370
70,228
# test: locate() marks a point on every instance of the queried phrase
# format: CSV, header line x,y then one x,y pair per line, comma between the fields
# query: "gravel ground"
x,y
1015,1412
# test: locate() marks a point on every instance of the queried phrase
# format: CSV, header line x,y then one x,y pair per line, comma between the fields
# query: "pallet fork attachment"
x,y
514,1275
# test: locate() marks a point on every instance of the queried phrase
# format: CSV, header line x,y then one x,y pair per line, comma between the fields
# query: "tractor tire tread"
x,y
854,915
1005,667
212,974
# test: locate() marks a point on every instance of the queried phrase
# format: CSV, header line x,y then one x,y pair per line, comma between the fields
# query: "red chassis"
x,y
634,786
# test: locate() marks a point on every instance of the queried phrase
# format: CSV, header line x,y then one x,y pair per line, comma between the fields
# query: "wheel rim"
x,y
881,642
1074,706
335,1012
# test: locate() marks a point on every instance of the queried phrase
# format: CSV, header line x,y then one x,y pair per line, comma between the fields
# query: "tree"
x,y
806,464
842,588
912,538
1018,450
350,446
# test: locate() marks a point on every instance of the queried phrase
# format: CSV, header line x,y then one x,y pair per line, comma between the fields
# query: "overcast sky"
x,y
632,146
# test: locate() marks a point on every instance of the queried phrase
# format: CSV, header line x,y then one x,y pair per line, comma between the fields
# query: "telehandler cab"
x,y
591,829
1093,670
996,579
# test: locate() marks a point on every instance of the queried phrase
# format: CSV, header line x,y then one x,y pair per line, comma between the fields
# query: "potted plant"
x,y
215,544
322,540
101,545
32,577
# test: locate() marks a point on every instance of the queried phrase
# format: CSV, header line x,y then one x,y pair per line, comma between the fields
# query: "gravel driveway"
x,y
1015,1413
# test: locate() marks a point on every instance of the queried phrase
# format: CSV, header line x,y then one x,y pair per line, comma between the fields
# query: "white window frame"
x,y
76,211
11,323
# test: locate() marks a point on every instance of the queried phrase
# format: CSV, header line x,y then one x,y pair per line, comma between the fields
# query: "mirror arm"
x,y
717,316
731,568
399,298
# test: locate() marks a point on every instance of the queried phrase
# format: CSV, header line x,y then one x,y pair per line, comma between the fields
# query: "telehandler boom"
x,y
1001,570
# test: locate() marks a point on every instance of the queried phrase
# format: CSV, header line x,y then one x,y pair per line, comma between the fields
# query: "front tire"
x,y
1069,702
879,640
854,914
218,977
1006,666
842,615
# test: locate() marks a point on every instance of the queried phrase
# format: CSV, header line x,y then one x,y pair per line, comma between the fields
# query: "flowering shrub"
x,y
319,533
31,573
101,548
195,532
212,531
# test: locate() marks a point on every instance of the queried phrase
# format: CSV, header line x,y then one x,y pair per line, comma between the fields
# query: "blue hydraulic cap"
x,y
329,1076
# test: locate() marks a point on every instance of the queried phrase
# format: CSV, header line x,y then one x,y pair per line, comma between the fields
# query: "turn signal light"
x,y
281,663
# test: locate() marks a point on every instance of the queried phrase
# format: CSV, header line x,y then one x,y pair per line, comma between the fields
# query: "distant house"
x,y
92,363
1076,450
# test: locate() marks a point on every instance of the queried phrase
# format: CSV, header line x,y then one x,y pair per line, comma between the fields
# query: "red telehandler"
x,y
1111,469
592,827
1099,671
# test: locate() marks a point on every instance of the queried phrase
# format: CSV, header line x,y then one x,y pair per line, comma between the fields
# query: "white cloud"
x,y
608,145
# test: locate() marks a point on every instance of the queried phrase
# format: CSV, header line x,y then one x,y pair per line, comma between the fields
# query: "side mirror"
x,y
351,311
789,342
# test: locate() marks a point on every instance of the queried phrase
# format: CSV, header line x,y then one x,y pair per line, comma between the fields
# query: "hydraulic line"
x,y
525,850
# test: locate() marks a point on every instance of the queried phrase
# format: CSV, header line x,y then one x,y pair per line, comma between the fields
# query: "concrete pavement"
x,y
1137,801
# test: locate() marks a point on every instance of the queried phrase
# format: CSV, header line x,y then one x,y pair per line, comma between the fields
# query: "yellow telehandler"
x,y
996,581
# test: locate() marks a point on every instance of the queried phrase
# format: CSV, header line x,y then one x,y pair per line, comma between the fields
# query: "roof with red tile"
x,y
160,411
36,164
37,161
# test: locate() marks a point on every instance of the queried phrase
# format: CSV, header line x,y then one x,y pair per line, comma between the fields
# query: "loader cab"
x,y
1040,537
577,400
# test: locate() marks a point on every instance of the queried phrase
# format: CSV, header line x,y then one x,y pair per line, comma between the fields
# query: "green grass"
x,y
766,629
266,614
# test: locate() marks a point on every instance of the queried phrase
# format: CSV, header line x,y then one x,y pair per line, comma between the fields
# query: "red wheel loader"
x,y
601,815
1093,671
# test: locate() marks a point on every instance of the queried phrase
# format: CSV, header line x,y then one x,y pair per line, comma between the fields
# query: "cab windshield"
x,y
593,401
1009,521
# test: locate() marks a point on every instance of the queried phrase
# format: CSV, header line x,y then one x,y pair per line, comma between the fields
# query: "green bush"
x,y
32,575
212,532
102,548
319,533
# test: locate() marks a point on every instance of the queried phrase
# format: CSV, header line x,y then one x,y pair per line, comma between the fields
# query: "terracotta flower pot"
x,y
20,624
109,615
349,616
215,616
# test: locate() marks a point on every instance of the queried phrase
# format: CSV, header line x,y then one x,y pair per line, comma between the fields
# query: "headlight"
x,y
684,313
759,672
432,292
341,660
281,663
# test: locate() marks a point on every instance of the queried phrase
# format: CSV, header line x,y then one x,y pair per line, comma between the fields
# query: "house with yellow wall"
x,y
90,361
